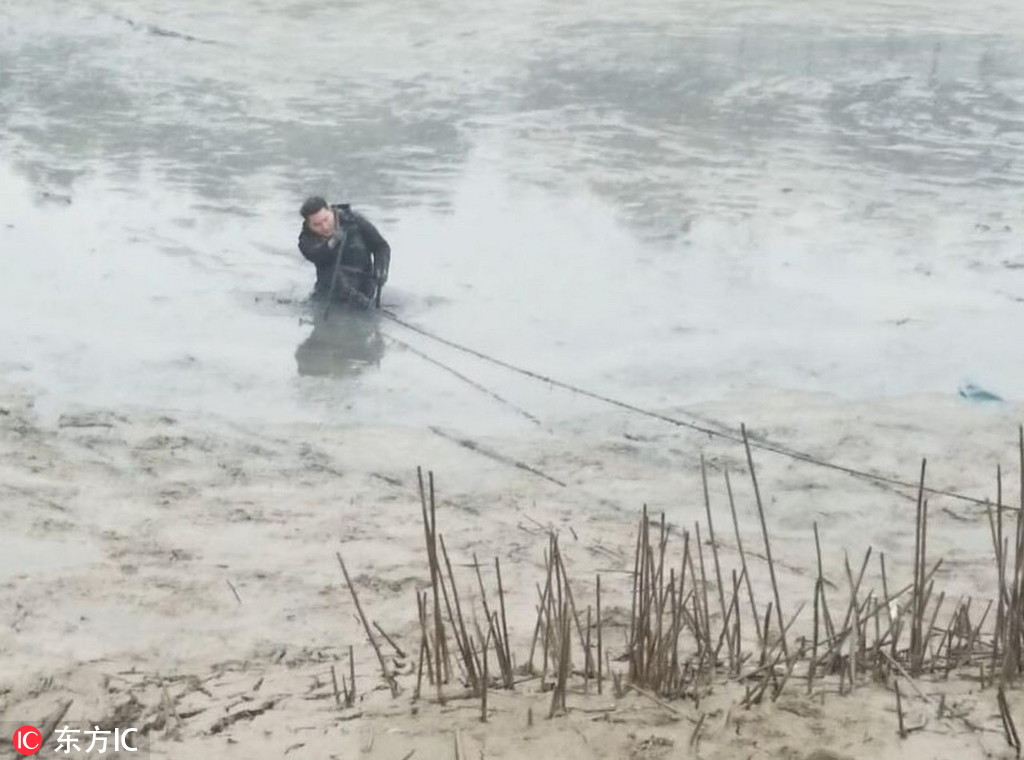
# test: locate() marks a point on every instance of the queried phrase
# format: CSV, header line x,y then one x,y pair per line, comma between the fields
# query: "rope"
x,y
711,428
468,380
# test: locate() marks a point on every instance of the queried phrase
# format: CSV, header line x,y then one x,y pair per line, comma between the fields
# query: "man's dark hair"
x,y
311,205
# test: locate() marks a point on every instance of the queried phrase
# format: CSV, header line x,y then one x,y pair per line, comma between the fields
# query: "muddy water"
x,y
660,203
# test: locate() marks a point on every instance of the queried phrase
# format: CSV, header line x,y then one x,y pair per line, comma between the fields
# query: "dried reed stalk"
x,y
767,542
388,677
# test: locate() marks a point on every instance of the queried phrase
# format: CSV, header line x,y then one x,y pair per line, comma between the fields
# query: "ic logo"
x,y
28,740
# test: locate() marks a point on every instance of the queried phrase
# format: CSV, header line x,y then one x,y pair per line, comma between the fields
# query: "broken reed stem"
x,y
852,610
419,663
660,594
563,662
743,554
345,691
1009,726
697,623
1000,547
678,621
459,627
976,634
559,580
767,542
639,624
764,635
638,571
483,682
350,692
1001,562
563,665
695,736
334,683
648,695
600,673
737,656
441,646
1012,656
504,627
829,627
931,623
487,613
546,612
899,710
540,614
878,631
814,651
398,649
885,585
586,668
916,596
711,534
725,636
429,527
790,667
369,634
572,601
854,585
425,656
920,552
704,593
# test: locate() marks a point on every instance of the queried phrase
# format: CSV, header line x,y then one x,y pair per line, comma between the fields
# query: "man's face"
x,y
322,222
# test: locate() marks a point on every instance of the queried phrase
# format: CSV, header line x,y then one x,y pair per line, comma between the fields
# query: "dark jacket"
x,y
365,252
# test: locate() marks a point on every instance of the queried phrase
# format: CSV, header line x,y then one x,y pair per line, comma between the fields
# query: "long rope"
x,y
709,427
468,380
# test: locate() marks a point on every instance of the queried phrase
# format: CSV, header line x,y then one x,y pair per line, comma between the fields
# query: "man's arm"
x,y
316,249
377,245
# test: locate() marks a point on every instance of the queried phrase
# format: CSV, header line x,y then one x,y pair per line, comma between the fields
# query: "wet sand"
x,y
150,551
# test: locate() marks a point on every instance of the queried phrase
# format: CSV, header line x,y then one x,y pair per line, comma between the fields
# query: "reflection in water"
x,y
343,345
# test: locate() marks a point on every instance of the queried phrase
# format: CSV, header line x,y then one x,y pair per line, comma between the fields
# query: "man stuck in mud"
x,y
351,257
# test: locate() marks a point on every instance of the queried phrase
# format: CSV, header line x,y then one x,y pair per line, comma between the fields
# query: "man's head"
x,y
318,215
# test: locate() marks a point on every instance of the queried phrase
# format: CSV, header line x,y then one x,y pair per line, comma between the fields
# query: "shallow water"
x,y
665,204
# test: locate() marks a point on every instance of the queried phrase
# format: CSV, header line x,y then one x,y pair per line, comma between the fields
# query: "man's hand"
x,y
335,239
382,276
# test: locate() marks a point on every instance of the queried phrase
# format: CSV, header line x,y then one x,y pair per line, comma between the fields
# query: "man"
x,y
338,240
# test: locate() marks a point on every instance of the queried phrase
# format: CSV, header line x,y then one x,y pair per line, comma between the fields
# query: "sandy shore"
x,y
179,574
